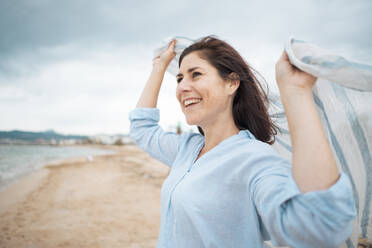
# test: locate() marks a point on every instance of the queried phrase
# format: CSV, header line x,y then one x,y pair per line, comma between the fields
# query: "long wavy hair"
x,y
250,103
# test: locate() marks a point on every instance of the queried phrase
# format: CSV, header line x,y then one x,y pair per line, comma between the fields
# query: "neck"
x,y
217,132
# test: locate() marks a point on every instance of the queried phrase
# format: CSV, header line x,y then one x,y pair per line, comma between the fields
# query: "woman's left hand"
x,y
313,164
290,77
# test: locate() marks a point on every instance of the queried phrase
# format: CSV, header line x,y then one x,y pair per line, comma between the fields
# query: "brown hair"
x,y
250,101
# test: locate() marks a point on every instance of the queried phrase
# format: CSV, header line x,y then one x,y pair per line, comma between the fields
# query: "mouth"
x,y
191,102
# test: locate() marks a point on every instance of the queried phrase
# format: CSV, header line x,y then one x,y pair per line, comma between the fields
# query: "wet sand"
x,y
112,201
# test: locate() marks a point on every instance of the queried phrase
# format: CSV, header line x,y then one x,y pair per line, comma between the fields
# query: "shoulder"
x,y
248,144
259,156
261,164
190,139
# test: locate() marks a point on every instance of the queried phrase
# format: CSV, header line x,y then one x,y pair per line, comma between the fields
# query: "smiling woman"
x,y
227,186
205,98
227,75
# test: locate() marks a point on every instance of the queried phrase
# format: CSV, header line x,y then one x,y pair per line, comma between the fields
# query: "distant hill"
x,y
32,136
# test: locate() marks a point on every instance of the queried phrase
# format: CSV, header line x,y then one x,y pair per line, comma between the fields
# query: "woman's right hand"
x,y
162,61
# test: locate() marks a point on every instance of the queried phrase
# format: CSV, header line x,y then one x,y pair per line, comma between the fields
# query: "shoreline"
x,y
32,179
110,201
39,166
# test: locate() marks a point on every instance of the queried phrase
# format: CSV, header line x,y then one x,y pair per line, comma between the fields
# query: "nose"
x,y
184,86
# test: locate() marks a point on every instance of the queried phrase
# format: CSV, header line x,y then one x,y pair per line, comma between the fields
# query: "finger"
x,y
284,56
282,59
172,44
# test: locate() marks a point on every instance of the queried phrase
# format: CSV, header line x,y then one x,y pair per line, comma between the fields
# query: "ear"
x,y
233,83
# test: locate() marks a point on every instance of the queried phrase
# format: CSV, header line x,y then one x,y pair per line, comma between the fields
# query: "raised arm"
x,y
309,203
313,164
150,93
144,128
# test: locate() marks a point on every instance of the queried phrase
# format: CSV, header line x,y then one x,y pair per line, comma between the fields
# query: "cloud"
x,y
79,66
76,95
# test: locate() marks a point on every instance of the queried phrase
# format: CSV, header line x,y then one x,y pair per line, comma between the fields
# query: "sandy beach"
x,y
111,201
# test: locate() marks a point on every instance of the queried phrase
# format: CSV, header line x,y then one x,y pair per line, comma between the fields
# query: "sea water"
x,y
20,160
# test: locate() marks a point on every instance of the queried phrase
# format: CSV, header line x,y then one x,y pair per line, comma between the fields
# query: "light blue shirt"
x,y
238,194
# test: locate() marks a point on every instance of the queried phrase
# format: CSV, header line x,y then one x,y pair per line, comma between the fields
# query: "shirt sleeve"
x,y
314,219
150,137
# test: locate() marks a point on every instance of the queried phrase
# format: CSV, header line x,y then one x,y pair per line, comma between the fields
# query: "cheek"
x,y
216,99
178,94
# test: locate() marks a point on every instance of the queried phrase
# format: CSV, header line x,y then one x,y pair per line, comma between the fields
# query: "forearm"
x,y
150,93
314,166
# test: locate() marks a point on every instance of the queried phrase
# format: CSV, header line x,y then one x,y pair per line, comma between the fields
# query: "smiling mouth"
x,y
190,102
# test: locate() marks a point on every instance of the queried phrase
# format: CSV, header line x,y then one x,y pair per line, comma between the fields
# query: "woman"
x,y
227,186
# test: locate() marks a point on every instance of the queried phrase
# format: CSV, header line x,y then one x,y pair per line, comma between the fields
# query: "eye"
x,y
179,80
195,74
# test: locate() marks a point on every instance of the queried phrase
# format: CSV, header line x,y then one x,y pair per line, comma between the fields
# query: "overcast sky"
x,y
78,66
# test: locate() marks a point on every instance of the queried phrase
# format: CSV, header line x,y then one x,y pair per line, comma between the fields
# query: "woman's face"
x,y
203,95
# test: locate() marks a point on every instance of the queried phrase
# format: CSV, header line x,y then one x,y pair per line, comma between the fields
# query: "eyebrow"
x,y
189,70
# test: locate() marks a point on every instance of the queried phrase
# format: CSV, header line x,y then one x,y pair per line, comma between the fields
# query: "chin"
x,y
192,121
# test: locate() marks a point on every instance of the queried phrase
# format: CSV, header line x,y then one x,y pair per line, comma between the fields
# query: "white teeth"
x,y
190,101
